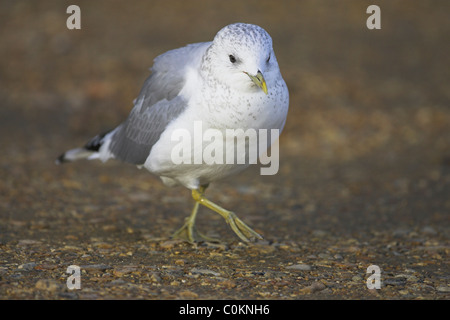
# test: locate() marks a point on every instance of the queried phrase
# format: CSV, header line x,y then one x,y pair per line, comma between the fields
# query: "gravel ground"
x,y
365,160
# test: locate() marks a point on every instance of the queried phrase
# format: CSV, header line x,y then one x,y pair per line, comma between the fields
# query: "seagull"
x,y
231,82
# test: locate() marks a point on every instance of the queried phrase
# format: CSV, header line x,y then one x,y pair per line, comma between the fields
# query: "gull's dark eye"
x,y
232,58
268,59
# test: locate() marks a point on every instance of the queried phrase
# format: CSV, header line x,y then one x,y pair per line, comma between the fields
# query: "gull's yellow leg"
x,y
239,227
188,231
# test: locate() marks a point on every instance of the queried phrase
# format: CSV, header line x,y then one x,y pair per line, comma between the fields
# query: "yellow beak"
x,y
259,81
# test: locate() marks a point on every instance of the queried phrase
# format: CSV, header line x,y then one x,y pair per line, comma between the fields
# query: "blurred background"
x,y
365,150
372,104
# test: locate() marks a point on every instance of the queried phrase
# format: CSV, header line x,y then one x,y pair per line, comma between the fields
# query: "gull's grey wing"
x,y
157,105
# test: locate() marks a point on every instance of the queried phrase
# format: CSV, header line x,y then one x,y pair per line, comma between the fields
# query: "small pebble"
x,y
204,272
429,230
95,267
188,294
325,256
445,289
26,242
121,271
357,278
48,285
300,267
27,266
314,287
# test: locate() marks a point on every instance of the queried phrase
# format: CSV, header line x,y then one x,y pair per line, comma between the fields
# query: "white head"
x,y
241,57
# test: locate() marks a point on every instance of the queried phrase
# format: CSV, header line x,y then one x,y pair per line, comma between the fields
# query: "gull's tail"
x,y
90,151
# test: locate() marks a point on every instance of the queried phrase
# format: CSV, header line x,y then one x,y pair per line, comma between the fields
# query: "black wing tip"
x,y
95,143
93,146
61,159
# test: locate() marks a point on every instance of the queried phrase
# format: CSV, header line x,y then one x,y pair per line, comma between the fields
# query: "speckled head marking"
x,y
244,35
238,53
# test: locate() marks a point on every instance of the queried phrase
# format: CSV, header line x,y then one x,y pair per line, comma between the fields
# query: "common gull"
x,y
232,82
